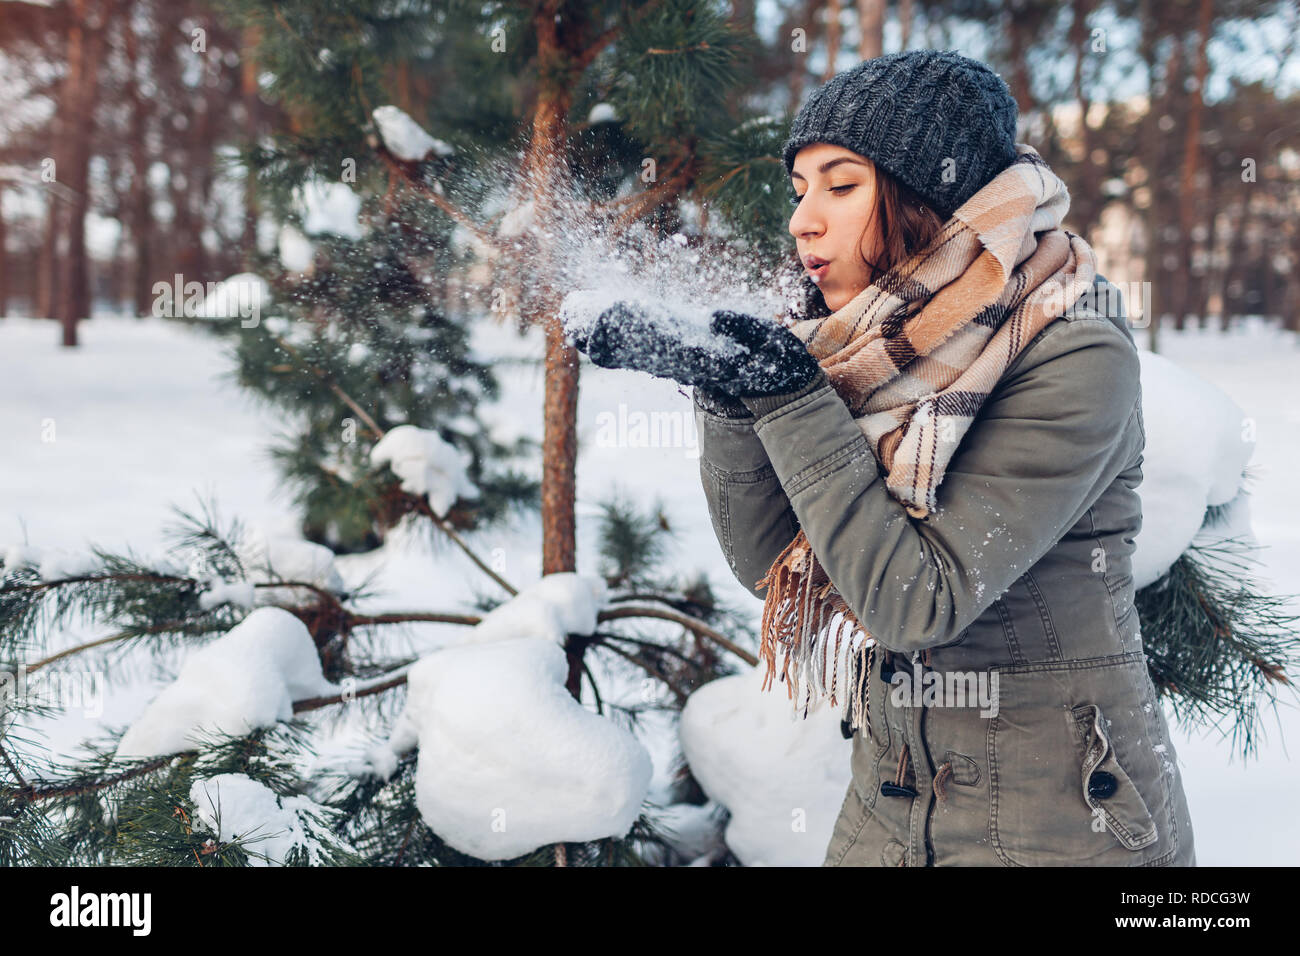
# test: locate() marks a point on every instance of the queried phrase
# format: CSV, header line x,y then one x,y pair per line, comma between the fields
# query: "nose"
x,y
807,221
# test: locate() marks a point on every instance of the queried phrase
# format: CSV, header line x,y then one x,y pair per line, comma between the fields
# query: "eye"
x,y
843,189
795,198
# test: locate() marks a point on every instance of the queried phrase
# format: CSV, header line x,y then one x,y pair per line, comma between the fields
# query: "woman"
x,y
932,474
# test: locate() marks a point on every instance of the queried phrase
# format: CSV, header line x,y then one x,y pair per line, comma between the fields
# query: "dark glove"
x,y
763,358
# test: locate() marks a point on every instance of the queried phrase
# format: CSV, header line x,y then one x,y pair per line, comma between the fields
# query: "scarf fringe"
x,y
800,617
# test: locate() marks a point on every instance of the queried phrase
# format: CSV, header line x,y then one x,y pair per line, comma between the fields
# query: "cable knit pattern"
x,y
925,116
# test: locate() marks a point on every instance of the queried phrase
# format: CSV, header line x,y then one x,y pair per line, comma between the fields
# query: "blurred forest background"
x,y
1176,125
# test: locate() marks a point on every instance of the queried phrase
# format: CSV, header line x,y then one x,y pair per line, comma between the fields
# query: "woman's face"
x,y
837,190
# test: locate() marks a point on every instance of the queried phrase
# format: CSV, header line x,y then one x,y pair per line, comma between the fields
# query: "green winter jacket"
x,y
1021,580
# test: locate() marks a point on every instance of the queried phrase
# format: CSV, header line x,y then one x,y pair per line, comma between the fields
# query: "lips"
x,y
815,266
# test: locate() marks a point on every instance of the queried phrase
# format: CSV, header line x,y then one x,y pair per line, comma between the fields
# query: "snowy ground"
x,y
141,421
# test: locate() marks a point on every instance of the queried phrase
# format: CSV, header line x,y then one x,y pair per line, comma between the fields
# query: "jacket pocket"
x,y
1066,786
1106,787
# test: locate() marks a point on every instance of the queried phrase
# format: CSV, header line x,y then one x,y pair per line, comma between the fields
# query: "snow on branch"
x,y
405,138
248,678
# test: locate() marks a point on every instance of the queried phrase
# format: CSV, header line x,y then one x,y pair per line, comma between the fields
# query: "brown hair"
x,y
907,224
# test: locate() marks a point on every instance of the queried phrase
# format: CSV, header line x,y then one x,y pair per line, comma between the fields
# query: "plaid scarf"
x,y
914,356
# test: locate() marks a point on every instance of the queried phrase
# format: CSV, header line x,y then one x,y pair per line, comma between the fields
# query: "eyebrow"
x,y
829,164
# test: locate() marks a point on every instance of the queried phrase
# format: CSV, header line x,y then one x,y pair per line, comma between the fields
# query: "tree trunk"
x,y
140,200
742,15
558,73
248,92
47,269
1086,208
833,36
44,297
1153,162
904,21
1190,207
4,262
807,19
871,28
1019,40
201,174
84,41
560,410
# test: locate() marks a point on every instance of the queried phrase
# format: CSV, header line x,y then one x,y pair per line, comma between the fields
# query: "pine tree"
x,y
370,337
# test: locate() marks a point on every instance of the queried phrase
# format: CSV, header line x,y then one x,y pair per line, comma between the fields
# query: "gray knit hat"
x,y
924,116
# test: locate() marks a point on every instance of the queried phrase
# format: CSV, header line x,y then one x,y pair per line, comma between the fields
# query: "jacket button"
x,y
1102,784
890,789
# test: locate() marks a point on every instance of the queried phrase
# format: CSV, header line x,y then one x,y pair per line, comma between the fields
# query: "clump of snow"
x,y
405,138
427,465
297,254
235,807
51,564
558,604
463,241
784,781
21,556
1198,443
267,556
508,760
59,564
232,298
519,220
247,678
328,207
602,113
218,592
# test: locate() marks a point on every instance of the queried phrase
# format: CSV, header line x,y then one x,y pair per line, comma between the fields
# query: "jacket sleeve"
x,y
1041,450
752,517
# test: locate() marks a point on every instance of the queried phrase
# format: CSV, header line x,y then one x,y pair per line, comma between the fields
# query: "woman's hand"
x,y
752,357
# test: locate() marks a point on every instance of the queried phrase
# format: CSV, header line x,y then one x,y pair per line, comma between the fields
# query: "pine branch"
x,y
1214,643
166,628
315,703
424,508
652,670
691,623
607,36
407,172
32,794
333,387
22,783
656,196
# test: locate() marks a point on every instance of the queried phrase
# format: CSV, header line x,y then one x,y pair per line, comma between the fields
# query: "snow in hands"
x,y
665,282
